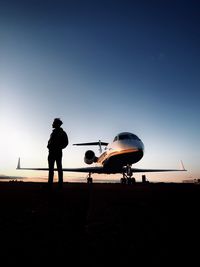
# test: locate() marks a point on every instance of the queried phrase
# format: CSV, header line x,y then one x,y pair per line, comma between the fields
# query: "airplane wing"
x,y
135,170
83,169
155,170
100,169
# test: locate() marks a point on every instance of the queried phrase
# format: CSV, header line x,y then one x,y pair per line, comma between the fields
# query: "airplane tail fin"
x,y
18,165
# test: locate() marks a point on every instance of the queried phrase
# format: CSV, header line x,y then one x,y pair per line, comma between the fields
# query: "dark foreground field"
x,y
99,225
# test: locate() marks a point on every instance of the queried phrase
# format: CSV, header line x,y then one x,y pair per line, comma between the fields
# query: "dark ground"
x,y
99,224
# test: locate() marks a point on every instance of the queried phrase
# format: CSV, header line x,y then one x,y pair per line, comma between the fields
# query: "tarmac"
x,y
99,224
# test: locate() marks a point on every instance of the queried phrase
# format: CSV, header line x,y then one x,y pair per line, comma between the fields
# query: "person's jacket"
x,y
58,140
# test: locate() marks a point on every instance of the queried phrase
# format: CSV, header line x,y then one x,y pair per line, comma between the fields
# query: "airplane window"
x,y
115,139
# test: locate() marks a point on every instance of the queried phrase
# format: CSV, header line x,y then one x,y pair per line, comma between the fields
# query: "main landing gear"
x,y
127,176
89,179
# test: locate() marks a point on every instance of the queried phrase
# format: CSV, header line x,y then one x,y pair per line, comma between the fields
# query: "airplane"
x,y
118,156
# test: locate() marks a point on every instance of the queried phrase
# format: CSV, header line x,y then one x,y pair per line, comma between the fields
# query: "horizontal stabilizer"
x,y
92,144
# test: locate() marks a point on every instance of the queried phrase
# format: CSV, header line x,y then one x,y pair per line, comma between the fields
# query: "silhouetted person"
x,y
58,141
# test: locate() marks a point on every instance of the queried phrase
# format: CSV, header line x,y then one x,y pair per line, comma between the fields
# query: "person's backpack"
x,y
65,140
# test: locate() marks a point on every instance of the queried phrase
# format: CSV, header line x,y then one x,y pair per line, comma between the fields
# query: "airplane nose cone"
x,y
135,146
141,146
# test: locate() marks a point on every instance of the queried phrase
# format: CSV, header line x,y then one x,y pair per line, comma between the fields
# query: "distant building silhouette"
x,y
192,181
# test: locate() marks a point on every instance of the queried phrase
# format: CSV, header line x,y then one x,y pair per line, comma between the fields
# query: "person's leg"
x,y
51,161
59,167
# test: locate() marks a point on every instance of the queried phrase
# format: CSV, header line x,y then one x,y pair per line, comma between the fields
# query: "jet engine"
x,y
90,157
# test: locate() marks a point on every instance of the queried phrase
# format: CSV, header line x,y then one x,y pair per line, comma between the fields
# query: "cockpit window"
x,y
125,136
128,136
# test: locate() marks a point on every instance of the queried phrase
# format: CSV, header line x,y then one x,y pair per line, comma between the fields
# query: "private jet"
x,y
116,157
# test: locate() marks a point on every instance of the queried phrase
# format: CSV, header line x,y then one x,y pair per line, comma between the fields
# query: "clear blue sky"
x,y
103,67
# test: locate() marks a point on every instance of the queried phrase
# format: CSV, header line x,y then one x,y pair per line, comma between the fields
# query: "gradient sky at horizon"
x,y
103,67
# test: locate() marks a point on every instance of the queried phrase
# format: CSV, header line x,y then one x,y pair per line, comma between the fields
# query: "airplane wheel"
x,y
89,180
123,180
129,180
133,180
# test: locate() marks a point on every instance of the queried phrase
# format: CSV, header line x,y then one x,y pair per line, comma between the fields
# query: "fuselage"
x,y
126,149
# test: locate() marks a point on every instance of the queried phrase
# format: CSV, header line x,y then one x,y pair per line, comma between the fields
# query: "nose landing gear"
x,y
127,176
